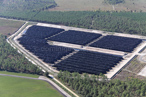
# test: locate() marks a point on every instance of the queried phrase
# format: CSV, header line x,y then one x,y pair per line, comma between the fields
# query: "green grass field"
x,y
80,5
19,87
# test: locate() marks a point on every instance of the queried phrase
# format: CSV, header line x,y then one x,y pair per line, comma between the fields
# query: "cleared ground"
x,y
80,5
8,27
19,87
136,68
131,70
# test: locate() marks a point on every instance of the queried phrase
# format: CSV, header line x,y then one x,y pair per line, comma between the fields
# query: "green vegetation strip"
x,y
63,88
19,74
99,86
11,60
123,22
19,87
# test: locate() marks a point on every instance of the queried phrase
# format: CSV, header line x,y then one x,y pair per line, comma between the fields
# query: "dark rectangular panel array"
x,y
26,40
117,43
44,51
42,32
34,41
89,62
75,37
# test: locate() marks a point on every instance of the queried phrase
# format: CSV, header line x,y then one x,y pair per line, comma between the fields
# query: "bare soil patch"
x,y
7,30
131,70
8,27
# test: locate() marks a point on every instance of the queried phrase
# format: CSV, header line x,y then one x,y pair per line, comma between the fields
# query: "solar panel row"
x,y
89,62
117,43
75,37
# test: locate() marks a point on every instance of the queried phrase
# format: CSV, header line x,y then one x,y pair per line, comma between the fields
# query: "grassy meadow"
x,y
82,5
19,87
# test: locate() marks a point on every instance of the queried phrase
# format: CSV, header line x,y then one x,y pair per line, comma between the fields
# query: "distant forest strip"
x,y
11,60
122,22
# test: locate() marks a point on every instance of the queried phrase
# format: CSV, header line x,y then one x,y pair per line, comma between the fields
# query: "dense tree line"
x,y
99,86
122,22
132,22
11,60
107,21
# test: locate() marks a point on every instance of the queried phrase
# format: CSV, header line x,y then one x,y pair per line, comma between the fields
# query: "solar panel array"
x,y
89,62
75,37
34,40
36,43
42,32
118,43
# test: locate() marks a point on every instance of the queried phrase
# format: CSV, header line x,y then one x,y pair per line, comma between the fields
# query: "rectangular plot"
x,y
40,48
75,37
117,43
89,62
42,32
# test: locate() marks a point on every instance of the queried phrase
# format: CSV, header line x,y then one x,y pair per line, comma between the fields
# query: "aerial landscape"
x,y
72,48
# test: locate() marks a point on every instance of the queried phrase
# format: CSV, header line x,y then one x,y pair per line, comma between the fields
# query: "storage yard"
x,y
80,50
